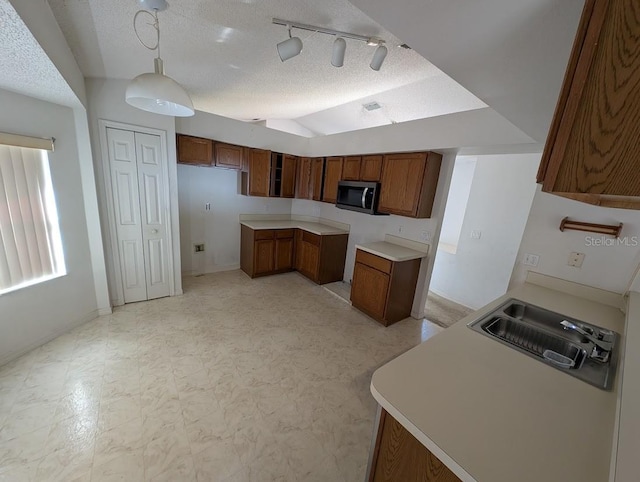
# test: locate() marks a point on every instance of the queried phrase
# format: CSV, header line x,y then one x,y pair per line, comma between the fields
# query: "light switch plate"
x,y
476,234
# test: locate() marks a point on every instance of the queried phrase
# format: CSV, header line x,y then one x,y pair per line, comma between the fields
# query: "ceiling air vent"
x,y
372,106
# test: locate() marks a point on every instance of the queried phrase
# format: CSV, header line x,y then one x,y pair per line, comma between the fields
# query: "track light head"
x,y
289,48
378,57
339,48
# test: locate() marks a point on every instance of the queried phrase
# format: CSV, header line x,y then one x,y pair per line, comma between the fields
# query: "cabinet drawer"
x,y
263,234
374,261
310,238
284,233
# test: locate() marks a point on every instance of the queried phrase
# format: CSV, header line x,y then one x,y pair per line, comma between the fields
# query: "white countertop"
x,y
390,251
492,414
315,228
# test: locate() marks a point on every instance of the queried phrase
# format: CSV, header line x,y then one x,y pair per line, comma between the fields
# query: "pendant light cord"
x,y
155,25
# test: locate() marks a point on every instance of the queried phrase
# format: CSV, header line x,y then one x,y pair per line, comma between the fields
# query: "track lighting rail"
x,y
328,31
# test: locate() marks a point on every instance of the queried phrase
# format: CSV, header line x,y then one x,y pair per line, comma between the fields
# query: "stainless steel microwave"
x,y
358,196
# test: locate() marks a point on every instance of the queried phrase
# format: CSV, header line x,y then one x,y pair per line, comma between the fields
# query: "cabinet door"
x,y
371,168
194,150
289,165
228,155
310,260
332,175
401,457
259,171
303,178
298,261
284,254
351,168
263,256
593,148
402,177
317,178
369,289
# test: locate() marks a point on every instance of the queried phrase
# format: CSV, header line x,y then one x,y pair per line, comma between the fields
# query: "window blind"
x,y
30,241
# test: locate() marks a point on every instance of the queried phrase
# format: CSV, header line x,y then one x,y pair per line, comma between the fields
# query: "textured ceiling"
x,y
26,68
224,54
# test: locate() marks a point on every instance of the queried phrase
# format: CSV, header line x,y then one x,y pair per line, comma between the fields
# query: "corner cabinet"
x,y
321,258
195,151
384,289
266,251
592,152
408,183
397,456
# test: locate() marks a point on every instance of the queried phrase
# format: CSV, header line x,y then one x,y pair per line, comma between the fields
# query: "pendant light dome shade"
x,y
289,48
337,55
157,93
160,94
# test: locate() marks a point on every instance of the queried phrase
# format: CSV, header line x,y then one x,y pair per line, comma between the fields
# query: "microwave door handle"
x,y
364,197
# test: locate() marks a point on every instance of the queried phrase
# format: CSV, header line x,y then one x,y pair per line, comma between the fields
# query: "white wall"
x,y
218,228
106,101
457,199
606,267
499,201
33,315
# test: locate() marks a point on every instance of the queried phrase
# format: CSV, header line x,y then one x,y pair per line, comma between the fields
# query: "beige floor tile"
x,y
236,380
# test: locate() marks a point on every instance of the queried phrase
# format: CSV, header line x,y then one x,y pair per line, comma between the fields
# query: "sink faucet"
x,y
602,343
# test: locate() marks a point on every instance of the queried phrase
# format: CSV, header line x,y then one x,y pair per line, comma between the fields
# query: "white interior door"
x,y
124,185
155,230
137,167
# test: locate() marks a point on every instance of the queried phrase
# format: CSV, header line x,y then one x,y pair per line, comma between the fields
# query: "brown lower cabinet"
x,y
266,251
321,258
271,251
384,289
399,457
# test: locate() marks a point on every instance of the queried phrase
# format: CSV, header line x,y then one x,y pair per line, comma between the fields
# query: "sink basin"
x,y
585,351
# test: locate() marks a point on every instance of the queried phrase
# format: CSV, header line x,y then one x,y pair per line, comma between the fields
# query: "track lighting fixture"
x,y
293,45
339,48
378,57
289,48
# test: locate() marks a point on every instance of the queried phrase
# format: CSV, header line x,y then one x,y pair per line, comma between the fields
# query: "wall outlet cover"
x,y
530,259
198,248
576,259
425,236
476,234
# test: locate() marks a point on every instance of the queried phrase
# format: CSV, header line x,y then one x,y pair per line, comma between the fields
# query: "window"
x,y
30,242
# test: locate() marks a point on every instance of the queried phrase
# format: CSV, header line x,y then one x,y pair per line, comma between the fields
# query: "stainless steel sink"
x,y
580,349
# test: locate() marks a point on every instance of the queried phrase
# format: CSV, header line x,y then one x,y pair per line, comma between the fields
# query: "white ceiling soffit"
x,y
224,54
26,68
511,54
432,97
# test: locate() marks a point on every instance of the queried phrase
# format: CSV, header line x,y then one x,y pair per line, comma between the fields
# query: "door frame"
x,y
112,246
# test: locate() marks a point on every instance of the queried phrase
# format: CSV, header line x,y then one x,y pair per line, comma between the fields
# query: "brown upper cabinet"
x,y
371,168
303,178
408,184
317,178
228,156
332,175
196,151
256,181
283,175
351,168
592,152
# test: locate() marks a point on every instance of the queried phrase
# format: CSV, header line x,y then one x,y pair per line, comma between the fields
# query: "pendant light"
x,y
154,91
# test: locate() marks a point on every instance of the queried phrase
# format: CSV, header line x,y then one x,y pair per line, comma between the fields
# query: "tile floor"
x,y
236,380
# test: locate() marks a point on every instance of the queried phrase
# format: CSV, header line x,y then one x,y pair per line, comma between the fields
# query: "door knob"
x,y
154,231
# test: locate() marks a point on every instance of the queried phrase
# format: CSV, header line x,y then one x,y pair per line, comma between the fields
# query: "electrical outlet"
x,y
198,248
576,259
400,228
207,207
476,234
425,236
531,259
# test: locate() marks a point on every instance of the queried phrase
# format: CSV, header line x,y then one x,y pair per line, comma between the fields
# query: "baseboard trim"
x,y
448,297
4,359
105,311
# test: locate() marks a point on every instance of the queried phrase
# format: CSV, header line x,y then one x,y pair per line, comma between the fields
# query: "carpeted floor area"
x,y
444,312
